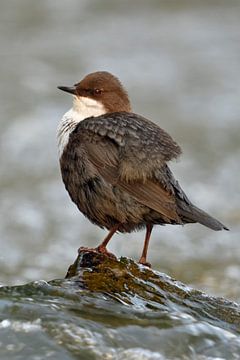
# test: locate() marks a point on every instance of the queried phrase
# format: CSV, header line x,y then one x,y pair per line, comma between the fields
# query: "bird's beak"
x,y
69,89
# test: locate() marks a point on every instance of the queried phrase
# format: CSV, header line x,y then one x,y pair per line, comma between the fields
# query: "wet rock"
x,y
134,284
115,309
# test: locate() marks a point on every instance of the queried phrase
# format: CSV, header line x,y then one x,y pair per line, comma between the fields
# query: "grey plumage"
x,y
114,163
115,169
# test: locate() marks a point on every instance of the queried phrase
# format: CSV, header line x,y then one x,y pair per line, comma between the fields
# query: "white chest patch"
x,y
83,108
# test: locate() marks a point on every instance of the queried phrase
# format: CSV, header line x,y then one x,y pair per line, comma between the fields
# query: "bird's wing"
x,y
131,152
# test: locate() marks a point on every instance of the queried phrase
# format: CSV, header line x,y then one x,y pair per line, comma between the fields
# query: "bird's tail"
x,y
193,214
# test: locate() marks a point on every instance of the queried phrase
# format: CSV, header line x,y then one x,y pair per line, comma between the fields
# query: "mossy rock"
x,y
133,284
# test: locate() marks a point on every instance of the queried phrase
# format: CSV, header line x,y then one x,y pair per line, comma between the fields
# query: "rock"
x,y
115,309
131,283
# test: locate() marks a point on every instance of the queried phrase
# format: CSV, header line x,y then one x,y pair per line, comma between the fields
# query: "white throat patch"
x,y
83,108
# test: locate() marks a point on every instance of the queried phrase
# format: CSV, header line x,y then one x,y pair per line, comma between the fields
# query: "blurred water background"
x,y
179,61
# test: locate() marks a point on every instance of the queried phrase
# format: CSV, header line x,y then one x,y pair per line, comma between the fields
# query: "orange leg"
x,y
102,248
143,258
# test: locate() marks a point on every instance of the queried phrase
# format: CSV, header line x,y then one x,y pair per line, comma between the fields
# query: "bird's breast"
x,y
67,124
83,108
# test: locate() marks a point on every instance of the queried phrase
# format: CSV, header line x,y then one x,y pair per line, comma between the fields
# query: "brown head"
x,y
104,88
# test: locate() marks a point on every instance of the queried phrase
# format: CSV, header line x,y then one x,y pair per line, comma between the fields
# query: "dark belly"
x,y
106,205
102,203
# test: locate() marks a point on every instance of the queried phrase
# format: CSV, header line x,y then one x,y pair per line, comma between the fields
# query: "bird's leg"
x,y
143,258
102,248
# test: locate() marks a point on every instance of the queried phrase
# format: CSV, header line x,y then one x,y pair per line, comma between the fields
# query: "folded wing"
x,y
131,152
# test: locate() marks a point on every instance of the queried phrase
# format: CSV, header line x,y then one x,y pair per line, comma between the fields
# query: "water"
x,y
180,62
116,310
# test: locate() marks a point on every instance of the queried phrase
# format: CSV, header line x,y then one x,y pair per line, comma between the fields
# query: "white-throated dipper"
x,y
114,163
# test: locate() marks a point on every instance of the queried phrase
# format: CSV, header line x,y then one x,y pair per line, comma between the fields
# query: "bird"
x,y
115,164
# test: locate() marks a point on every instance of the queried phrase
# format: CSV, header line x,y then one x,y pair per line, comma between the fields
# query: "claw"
x,y
143,261
103,250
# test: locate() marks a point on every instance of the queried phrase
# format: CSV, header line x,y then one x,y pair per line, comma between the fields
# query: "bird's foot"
x,y
100,249
86,249
143,261
103,250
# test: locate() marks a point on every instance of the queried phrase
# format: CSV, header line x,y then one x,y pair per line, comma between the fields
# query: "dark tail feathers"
x,y
194,214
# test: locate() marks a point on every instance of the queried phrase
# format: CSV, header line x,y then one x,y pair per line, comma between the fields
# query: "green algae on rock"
x,y
115,309
135,284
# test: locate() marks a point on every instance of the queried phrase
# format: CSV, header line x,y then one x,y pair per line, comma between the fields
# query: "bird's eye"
x,y
97,91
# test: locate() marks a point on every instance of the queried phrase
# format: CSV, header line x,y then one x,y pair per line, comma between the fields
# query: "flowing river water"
x,y
179,61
